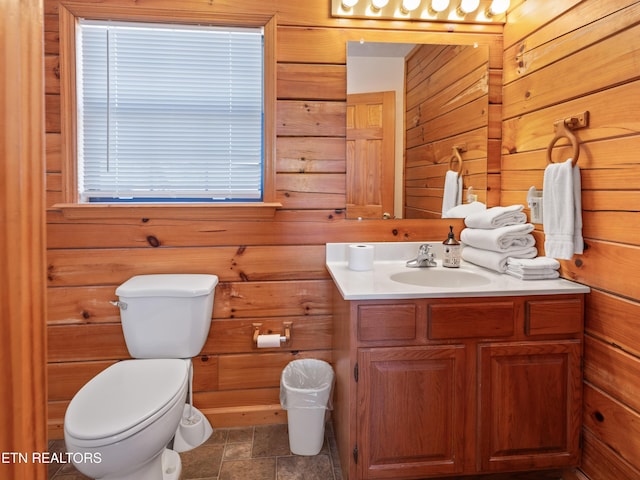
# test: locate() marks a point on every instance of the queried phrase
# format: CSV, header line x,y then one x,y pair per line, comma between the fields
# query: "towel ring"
x,y
456,156
562,131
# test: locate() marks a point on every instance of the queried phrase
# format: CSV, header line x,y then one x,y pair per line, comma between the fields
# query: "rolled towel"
x,y
501,239
462,211
534,276
495,217
495,260
533,265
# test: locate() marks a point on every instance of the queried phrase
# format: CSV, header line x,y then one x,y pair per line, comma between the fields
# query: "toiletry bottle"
x,y
452,251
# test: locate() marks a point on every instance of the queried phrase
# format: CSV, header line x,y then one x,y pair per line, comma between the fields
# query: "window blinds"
x,y
169,113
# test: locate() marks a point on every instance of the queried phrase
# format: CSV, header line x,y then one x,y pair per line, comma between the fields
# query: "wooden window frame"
x,y
69,12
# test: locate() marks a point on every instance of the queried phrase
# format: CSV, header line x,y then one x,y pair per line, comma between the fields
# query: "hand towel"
x,y
533,265
534,276
562,210
497,217
462,211
495,260
501,239
452,191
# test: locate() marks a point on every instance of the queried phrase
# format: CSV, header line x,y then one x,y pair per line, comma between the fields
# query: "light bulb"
x,y
468,6
498,7
378,4
410,5
348,4
439,5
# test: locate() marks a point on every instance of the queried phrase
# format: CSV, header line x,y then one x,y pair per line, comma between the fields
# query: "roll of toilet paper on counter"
x,y
269,341
360,257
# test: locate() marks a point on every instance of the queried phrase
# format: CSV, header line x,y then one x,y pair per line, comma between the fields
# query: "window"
x,y
201,207
169,113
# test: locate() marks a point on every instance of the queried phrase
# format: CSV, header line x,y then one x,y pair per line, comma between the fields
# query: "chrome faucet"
x,y
425,258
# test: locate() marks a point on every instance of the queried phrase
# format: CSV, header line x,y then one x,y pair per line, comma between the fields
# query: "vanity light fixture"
x,y
456,11
497,7
468,6
409,5
439,5
377,5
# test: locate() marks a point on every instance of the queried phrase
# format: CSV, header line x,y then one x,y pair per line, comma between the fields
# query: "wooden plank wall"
x,y
447,104
23,396
559,59
270,271
562,58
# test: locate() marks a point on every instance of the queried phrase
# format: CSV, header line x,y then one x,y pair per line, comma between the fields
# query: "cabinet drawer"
x,y
554,317
387,322
471,320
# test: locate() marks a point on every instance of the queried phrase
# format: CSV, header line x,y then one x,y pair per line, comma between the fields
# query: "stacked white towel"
x,y
495,260
538,268
501,239
562,207
496,217
463,211
497,234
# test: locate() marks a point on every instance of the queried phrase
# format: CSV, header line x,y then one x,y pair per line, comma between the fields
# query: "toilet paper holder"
x,y
285,337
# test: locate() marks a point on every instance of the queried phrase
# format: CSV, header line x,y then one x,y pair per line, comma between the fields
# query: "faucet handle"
x,y
425,258
425,248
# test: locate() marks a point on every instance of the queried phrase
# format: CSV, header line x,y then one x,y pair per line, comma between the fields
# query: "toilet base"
x,y
171,465
166,466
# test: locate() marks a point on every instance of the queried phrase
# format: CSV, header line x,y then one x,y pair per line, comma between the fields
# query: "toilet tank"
x,y
166,315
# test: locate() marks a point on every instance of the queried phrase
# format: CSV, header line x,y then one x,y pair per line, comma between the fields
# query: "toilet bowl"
x,y
118,425
121,421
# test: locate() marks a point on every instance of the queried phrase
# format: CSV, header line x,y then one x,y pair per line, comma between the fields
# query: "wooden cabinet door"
x,y
411,411
530,397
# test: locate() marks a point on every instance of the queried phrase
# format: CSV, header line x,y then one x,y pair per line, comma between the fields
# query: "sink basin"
x,y
436,277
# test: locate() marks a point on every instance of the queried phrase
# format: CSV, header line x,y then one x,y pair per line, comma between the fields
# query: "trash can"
x,y
306,386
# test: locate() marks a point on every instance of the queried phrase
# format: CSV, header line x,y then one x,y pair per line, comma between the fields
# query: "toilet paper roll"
x,y
269,341
360,257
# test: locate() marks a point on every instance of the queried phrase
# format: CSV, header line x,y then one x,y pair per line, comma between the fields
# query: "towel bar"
x,y
561,130
457,157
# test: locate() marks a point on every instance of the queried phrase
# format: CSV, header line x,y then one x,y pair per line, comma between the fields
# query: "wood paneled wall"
x,y
562,58
447,104
270,271
23,397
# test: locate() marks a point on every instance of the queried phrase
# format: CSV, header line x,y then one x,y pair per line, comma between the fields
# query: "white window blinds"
x,y
169,113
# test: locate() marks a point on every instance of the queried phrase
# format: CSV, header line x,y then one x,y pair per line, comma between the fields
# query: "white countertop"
x,y
390,258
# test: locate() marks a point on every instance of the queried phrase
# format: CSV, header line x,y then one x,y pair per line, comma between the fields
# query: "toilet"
x,y
119,424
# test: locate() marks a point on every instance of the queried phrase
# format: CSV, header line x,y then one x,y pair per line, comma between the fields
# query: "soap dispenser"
x,y
452,250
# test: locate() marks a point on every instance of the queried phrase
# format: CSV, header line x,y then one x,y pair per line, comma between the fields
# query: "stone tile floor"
x,y
246,453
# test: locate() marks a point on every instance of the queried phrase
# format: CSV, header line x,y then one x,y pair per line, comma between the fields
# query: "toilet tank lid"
x,y
171,284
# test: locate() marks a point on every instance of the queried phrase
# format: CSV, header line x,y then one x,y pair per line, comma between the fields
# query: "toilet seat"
x,y
124,399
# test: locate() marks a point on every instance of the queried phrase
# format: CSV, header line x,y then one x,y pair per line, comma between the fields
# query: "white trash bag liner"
x,y
309,383
306,388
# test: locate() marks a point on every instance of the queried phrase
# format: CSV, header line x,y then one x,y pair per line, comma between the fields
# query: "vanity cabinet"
x,y
529,411
457,386
411,415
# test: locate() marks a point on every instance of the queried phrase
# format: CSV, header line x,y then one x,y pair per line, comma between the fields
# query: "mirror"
x,y
436,99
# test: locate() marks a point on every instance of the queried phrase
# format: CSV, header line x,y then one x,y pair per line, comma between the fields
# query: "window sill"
x,y
195,211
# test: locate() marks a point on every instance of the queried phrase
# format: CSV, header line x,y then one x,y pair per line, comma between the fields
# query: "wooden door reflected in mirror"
x,y
370,150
